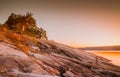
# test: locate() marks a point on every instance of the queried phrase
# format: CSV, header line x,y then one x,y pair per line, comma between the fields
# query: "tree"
x,y
20,22
25,24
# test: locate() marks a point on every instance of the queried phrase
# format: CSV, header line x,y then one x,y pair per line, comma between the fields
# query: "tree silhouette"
x,y
25,24
20,22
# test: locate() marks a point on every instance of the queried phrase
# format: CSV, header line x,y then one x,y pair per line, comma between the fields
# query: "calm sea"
x,y
112,55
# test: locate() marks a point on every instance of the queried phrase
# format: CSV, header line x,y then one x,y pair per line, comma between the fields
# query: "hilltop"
x,y
25,51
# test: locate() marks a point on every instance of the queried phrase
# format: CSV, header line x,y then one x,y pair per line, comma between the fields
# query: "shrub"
x,y
25,24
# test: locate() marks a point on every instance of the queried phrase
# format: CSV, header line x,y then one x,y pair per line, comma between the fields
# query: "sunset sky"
x,y
71,22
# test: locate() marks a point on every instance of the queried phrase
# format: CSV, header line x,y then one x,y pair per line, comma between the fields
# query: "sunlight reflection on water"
x,y
114,56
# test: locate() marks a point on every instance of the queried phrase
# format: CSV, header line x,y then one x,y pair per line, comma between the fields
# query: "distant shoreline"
x,y
102,50
106,48
114,56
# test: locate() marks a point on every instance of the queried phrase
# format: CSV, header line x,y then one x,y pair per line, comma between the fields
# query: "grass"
x,y
23,42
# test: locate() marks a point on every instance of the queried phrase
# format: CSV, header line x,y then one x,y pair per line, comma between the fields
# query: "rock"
x,y
24,56
16,73
55,60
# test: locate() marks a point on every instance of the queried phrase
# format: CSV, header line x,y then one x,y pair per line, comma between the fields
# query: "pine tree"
x,y
25,24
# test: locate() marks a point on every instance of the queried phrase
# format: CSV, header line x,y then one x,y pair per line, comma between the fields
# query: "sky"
x,y
72,22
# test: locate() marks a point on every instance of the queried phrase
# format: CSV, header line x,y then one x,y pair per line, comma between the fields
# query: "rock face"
x,y
53,60
26,55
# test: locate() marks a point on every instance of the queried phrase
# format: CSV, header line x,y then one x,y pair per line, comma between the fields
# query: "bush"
x,y
25,24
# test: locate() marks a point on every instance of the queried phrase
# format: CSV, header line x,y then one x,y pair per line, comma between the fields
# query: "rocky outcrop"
x,y
29,54
53,60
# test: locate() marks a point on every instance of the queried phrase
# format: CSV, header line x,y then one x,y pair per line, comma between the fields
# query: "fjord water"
x,y
113,55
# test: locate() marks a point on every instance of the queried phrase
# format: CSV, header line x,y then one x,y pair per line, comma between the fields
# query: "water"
x,y
112,55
